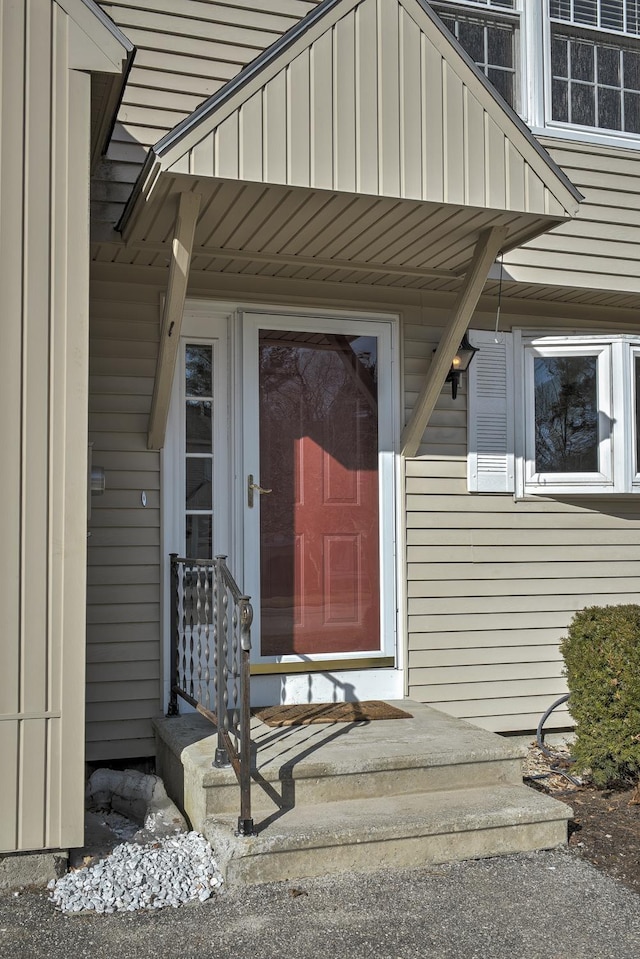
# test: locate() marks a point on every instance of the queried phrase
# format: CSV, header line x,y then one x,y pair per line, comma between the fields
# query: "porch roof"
x,y
363,146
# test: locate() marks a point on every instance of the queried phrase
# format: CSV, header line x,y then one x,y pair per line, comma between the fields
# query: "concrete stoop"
x,y
360,797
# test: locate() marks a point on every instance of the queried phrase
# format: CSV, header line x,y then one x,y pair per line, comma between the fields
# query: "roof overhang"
x,y
100,48
363,146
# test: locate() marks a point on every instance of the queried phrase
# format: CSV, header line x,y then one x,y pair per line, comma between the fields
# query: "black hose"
x,y
543,719
540,741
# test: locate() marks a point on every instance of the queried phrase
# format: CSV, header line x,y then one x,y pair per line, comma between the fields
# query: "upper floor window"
x,y
489,37
560,63
595,63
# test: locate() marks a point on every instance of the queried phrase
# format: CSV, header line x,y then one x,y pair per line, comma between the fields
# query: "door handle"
x,y
254,487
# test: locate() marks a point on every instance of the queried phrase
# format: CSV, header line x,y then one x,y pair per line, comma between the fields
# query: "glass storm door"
x,y
315,499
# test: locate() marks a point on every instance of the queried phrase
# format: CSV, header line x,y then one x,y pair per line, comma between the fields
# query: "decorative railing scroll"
x,y
210,653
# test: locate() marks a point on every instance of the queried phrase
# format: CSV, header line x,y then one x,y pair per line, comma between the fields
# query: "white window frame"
x,y
541,86
600,481
635,447
617,419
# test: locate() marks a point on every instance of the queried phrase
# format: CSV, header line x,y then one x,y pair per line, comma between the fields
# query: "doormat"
x,y
305,714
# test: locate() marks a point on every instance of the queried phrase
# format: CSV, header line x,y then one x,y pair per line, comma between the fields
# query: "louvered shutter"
x,y
490,414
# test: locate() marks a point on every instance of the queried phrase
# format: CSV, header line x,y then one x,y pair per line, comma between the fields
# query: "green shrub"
x,y
602,656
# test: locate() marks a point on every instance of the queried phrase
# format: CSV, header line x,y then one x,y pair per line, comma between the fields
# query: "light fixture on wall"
x,y
460,364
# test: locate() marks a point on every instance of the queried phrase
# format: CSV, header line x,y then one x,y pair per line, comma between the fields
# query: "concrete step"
x,y
364,835
273,789
299,766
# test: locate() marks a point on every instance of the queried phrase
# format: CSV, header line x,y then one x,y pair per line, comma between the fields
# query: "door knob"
x,y
254,487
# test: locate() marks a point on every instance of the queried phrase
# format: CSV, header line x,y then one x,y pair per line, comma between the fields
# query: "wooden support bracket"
x,y
181,251
487,248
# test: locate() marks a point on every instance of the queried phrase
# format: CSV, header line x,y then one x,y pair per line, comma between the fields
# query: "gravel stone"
x,y
169,872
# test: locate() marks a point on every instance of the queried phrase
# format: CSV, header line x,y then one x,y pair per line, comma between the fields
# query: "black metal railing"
x,y
210,652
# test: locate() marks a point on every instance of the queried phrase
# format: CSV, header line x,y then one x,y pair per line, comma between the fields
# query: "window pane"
x,y
198,370
623,16
585,11
609,109
583,104
633,16
632,112
560,101
198,543
500,45
612,15
609,66
198,494
198,426
503,82
566,414
560,57
631,63
582,61
471,36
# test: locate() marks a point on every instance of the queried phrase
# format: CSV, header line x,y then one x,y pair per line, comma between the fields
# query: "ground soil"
x,y
605,828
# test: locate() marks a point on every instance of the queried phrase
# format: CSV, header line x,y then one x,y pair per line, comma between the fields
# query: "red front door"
x,y
319,527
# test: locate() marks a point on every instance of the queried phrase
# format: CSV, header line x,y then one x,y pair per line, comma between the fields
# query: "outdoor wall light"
x,y
460,364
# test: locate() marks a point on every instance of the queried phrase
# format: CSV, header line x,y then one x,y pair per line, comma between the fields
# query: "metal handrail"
x,y
210,661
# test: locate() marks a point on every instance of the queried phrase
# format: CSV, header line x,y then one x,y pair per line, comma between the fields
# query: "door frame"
x,y
356,676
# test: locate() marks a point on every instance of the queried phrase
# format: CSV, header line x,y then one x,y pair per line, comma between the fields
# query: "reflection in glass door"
x,y
319,524
198,419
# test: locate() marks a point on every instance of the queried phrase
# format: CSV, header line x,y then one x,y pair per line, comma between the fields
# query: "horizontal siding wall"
x,y
492,584
599,248
186,51
123,588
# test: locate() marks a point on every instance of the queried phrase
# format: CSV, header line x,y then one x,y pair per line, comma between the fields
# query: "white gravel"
x,y
169,872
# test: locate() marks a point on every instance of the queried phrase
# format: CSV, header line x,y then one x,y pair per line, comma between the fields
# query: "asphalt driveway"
x,y
538,906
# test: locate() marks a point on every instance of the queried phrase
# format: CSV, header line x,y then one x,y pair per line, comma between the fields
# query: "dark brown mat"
x,y
303,715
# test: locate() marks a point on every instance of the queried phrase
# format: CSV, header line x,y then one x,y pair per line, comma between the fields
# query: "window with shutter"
x,y
570,428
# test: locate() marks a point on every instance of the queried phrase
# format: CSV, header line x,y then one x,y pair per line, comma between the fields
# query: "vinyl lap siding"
x,y
492,584
123,594
186,51
599,248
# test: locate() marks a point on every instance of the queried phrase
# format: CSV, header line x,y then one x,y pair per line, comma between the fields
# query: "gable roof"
x,y
366,100
375,99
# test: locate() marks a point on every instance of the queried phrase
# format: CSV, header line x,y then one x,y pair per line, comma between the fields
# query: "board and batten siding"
x,y
492,584
123,575
44,252
598,249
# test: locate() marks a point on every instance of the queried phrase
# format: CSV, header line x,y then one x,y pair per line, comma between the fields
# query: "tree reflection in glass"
x,y
566,414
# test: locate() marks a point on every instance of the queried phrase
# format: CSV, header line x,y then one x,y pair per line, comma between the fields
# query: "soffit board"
x,y
287,226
